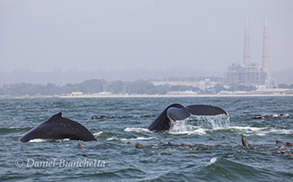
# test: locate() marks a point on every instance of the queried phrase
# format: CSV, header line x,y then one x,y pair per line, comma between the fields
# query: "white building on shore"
x,y
250,73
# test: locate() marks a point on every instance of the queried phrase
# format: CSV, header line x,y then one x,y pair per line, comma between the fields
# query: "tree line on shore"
x,y
95,86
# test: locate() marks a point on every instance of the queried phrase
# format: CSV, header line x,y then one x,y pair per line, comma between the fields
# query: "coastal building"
x,y
250,73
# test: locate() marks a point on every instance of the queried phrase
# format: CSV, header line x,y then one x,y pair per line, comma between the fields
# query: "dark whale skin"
x,y
58,127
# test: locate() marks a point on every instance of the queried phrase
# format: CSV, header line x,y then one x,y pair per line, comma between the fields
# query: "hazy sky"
x,y
45,35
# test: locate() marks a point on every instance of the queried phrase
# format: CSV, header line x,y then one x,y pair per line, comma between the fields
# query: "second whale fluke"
x,y
175,112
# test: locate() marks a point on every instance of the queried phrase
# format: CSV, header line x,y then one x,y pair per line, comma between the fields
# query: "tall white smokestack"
x,y
266,55
246,52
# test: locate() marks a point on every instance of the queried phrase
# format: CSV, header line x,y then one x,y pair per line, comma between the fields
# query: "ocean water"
x,y
217,153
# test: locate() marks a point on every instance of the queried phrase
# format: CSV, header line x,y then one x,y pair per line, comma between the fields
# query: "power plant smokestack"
x,y
246,52
266,55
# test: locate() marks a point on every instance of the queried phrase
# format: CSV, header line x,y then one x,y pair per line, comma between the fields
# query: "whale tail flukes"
x,y
177,112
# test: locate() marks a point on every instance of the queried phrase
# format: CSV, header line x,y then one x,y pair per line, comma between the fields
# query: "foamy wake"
x,y
39,140
181,127
275,131
246,128
261,131
138,130
112,138
138,138
98,134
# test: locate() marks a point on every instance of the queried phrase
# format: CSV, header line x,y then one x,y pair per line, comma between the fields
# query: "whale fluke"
x,y
205,110
175,112
58,127
162,122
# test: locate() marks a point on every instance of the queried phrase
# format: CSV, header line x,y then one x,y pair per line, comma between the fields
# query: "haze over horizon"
x,y
91,36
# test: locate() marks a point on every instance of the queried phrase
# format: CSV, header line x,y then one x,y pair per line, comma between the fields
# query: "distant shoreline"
x,y
146,96
174,96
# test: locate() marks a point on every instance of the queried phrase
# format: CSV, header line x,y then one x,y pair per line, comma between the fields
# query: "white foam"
x,y
112,138
199,131
98,133
281,131
139,138
38,140
212,161
182,128
261,131
276,131
138,130
249,128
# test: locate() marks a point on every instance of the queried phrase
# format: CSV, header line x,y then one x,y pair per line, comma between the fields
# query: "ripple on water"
x,y
217,155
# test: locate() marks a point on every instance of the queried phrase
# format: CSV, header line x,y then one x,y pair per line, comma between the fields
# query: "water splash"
x,y
138,130
40,140
212,161
213,122
203,124
181,127
37,140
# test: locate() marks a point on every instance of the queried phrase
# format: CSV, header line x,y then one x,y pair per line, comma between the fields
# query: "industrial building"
x,y
249,73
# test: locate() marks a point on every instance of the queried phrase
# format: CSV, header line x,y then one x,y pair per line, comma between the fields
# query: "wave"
x,y
97,134
247,128
38,140
112,138
261,131
220,169
12,129
276,131
138,130
212,161
126,139
139,138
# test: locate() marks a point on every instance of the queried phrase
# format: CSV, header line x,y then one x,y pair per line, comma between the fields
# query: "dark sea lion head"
x,y
244,141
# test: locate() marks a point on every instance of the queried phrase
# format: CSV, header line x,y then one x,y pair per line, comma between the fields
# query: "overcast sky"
x,y
45,35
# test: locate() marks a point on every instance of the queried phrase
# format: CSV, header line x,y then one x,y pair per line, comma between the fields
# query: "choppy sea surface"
x,y
216,154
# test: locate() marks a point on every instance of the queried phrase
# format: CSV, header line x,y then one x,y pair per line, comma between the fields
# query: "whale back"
x,y
58,127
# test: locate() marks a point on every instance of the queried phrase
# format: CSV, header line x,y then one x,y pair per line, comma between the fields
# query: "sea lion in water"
x,y
288,144
244,141
138,145
129,143
79,146
58,127
175,112
279,149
